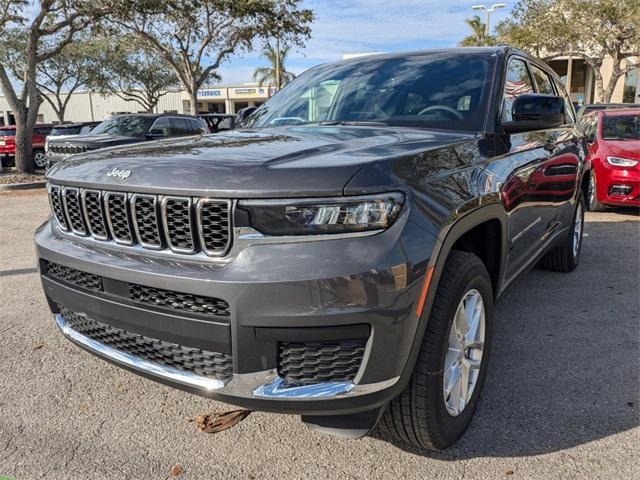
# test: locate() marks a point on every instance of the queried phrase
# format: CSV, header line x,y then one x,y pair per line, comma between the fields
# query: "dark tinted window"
x,y
568,106
162,127
127,126
196,127
517,82
543,81
435,90
7,133
621,127
179,126
65,130
42,130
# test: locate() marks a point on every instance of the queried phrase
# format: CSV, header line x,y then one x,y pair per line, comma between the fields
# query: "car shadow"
x,y
565,361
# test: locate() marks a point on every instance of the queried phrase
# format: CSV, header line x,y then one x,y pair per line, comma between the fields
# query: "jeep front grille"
x,y
184,225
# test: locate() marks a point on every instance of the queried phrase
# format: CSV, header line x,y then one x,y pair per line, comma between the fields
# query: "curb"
x,y
23,186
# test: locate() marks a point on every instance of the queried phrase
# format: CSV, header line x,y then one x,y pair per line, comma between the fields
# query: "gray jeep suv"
x,y
337,257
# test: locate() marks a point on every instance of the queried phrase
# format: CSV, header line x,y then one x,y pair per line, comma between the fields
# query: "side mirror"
x,y
155,133
243,113
534,111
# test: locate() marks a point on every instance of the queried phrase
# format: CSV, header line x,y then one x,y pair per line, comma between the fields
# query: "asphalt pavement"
x,y
562,398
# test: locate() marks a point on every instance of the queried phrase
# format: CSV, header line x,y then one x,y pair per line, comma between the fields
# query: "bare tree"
x,y
195,36
48,26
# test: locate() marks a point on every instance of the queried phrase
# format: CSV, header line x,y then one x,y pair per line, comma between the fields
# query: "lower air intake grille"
x,y
304,363
178,301
208,364
74,277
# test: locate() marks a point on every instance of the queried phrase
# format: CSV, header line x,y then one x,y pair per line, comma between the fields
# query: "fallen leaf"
x,y
220,421
39,346
84,408
175,471
509,472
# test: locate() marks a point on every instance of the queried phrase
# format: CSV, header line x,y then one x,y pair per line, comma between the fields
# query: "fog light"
x,y
620,190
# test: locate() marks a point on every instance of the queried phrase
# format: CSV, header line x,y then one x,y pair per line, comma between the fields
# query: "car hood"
x,y
624,148
291,161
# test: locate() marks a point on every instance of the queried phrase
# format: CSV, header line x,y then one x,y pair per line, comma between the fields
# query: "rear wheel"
x,y
593,203
565,257
39,159
437,406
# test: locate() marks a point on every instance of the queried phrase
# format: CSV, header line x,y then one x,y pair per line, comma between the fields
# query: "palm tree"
x,y
479,36
268,74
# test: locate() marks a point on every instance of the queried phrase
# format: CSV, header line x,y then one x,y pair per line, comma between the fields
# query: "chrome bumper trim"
x,y
265,384
278,389
161,371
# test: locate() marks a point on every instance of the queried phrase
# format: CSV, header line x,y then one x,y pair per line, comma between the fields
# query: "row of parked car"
x,y
52,143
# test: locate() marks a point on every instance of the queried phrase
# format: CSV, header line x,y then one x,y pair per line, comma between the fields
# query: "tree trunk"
x,y
193,98
24,152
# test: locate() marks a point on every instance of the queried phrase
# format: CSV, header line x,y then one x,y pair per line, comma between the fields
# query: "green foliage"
x,y
267,75
196,36
478,37
123,66
590,29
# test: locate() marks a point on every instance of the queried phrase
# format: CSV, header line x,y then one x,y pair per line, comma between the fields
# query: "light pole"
x,y
488,11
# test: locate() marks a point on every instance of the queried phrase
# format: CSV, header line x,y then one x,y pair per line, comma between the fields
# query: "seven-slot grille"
x,y
182,225
202,362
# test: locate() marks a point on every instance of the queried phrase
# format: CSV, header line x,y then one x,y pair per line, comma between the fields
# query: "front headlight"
x,y
621,162
323,215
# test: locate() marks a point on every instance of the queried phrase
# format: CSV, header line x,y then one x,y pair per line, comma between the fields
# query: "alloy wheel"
x,y
39,159
577,230
464,354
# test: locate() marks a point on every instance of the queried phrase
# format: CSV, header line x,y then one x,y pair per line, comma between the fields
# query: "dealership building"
x,y
90,106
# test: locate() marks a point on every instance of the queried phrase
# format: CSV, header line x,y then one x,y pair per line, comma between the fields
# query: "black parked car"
x,y
337,258
124,130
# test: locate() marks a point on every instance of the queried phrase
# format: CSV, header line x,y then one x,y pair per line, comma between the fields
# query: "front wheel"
x,y
565,257
593,203
39,159
436,407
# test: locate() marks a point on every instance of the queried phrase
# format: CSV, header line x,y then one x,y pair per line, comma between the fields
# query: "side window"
x,y
179,126
161,127
517,82
568,106
543,81
195,127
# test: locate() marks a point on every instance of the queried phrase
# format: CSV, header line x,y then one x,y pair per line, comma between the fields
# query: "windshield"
x,y
65,130
621,127
432,90
126,126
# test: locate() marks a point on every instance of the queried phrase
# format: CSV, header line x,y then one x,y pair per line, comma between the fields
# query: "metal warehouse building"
x,y
90,106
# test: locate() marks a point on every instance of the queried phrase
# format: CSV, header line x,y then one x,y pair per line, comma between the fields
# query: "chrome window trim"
x,y
83,195
199,203
64,227
82,233
134,220
163,207
107,195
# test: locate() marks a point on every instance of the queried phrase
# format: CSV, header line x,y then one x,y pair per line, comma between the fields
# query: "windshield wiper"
x,y
354,122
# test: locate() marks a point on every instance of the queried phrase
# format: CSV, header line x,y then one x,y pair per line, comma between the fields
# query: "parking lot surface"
x,y
562,398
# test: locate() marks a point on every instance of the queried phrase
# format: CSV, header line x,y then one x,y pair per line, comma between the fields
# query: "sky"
x,y
356,26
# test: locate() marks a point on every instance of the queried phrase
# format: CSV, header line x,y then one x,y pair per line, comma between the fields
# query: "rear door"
x,y
543,175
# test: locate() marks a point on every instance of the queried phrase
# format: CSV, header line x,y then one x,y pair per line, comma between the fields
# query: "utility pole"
x,y
488,12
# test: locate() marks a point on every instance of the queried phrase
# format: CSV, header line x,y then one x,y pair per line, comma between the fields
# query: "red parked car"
x,y
8,144
614,153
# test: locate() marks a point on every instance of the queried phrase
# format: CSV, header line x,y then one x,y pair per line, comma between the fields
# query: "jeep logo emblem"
x,y
119,173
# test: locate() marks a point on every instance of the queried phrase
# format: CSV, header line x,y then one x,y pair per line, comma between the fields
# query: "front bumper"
x,y
309,291
618,186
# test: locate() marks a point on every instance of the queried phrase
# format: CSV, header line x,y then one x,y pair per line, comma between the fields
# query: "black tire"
x,y
39,159
419,414
592,196
564,258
